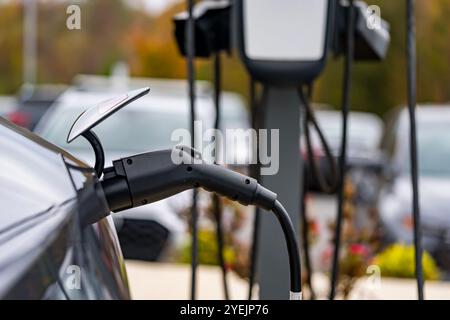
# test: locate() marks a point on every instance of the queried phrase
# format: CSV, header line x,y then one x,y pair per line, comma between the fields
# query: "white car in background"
x,y
395,203
8,104
365,131
147,124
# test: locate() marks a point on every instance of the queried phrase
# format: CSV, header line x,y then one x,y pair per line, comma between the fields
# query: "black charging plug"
x,y
152,176
145,178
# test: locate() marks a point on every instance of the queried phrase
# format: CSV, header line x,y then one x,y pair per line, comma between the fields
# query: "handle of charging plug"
x,y
325,185
156,175
94,141
95,115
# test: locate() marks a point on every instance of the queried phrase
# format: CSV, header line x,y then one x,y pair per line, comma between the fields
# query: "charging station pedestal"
x,y
281,110
283,47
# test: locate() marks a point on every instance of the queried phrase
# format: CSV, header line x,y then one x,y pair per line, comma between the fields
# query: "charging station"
x,y
283,47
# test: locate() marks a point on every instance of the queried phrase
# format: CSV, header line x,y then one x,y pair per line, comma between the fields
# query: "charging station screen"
x,y
288,30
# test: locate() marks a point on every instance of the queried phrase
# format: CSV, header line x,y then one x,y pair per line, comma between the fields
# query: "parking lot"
x,y
172,282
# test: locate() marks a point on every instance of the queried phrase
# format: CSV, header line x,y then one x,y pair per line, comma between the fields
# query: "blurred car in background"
x,y
7,105
150,232
364,135
364,162
395,206
32,102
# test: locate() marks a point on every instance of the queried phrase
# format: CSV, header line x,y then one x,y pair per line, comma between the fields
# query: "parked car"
x,y
44,243
395,206
8,104
365,161
32,103
149,232
363,153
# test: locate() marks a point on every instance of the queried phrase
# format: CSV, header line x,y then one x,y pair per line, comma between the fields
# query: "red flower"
x,y
357,249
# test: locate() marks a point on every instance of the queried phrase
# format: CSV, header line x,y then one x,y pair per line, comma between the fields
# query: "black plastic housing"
x,y
370,44
153,176
211,27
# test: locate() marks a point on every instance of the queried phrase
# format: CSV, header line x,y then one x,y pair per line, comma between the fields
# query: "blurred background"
x,y
49,74
140,33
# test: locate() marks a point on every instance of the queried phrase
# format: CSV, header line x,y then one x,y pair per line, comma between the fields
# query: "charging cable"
x,y
190,49
324,185
343,154
411,79
310,119
217,207
255,173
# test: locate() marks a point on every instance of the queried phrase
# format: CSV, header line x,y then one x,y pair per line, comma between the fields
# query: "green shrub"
x,y
207,250
398,261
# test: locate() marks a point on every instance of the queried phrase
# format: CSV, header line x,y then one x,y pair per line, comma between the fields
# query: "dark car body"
x,y
48,247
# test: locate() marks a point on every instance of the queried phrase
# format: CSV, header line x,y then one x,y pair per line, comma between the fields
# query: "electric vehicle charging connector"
x,y
145,178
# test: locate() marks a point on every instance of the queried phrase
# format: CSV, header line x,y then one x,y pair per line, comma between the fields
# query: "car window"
x,y
128,130
433,140
364,131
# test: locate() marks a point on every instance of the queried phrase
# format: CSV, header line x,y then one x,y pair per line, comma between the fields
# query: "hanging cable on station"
x,y
217,205
348,63
325,185
411,87
208,22
305,244
303,216
190,50
255,173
